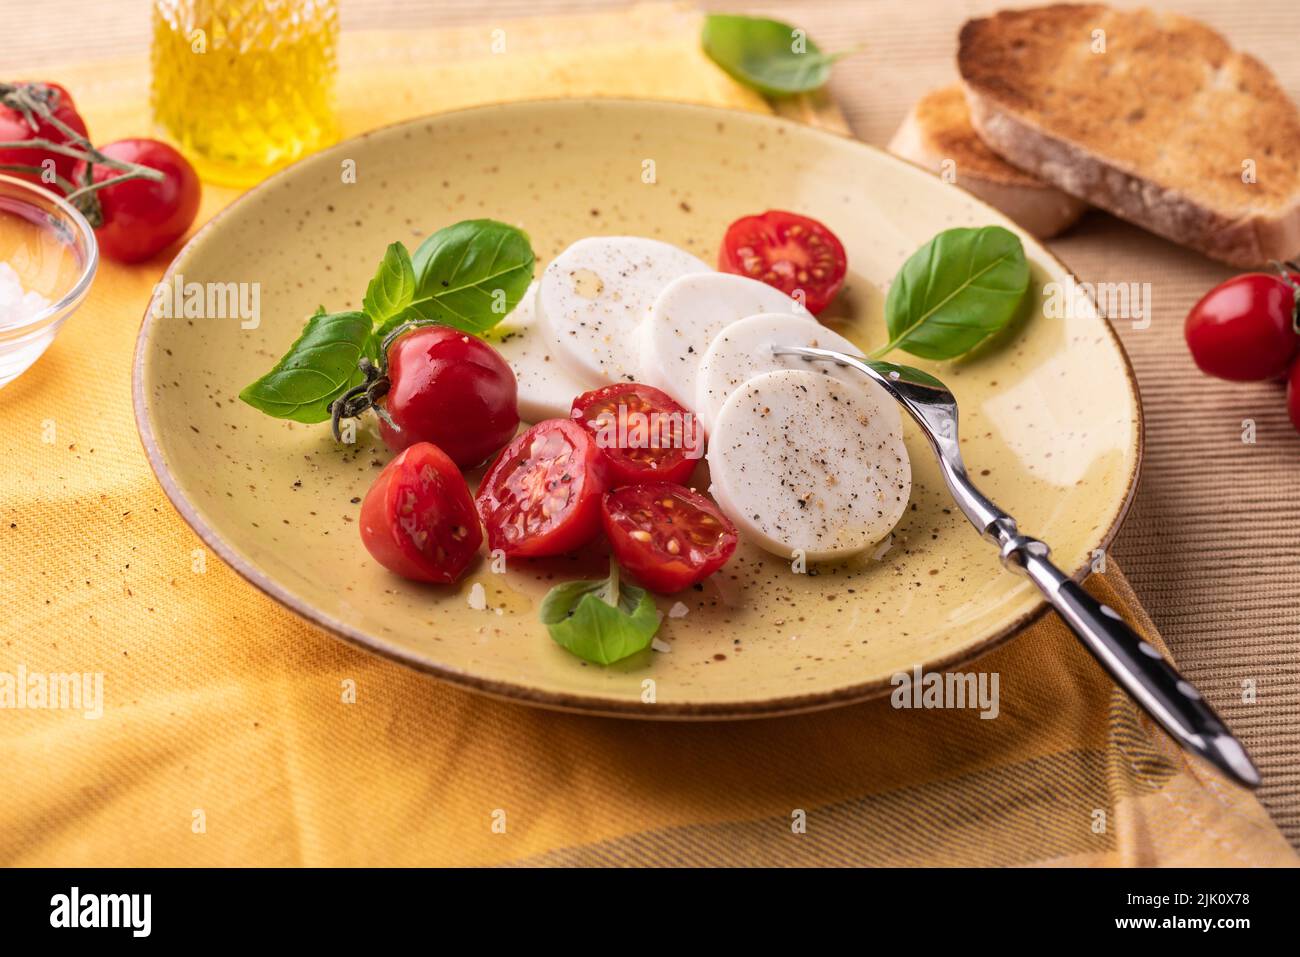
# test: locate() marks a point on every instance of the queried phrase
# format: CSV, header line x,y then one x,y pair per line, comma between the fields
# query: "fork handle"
x,y
1136,665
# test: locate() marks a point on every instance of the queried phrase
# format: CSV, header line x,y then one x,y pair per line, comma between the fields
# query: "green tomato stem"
x,y
611,593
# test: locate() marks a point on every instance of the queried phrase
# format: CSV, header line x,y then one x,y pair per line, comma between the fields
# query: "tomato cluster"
x,y
616,465
1247,329
136,217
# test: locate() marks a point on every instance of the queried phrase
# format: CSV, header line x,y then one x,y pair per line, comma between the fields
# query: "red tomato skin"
x,y
391,545
770,231
620,472
581,524
141,217
452,389
14,127
1293,395
656,572
1241,330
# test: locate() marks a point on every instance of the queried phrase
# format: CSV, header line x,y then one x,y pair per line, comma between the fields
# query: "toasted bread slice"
x,y
937,134
1155,118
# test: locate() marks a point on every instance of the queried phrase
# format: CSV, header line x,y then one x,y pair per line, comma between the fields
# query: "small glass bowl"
x,y
52,249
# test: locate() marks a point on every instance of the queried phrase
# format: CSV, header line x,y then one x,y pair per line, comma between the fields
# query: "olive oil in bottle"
x,y
244,87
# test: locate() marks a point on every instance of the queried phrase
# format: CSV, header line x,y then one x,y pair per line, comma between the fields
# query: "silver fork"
x,y
1135,665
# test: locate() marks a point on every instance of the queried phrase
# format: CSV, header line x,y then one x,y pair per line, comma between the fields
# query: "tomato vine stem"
x,y
36,103
361,397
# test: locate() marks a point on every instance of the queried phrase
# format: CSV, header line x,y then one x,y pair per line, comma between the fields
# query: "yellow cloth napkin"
x,y
226,737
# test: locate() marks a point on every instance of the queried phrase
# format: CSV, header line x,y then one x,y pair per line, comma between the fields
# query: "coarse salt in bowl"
x,y
48,257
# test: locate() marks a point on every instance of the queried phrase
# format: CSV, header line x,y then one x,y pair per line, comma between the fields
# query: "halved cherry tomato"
x,y
1244,329
667,536
418,519
645,435
793,253
452,389
13,127
542,494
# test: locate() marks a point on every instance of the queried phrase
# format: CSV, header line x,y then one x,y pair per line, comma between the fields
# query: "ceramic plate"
x,y
1050,420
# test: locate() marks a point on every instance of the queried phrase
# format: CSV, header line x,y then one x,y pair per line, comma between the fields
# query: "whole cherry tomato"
x,y
452,389
645,435
14,127
793,253
142,217
1244,329
418,519
667,536
542,494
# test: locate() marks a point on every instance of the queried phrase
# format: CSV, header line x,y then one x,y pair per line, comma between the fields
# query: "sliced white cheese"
x,y
744,349
688,314
594,295
807,465
546,389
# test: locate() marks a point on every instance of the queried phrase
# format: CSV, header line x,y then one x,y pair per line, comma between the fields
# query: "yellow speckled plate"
x,y
1050,422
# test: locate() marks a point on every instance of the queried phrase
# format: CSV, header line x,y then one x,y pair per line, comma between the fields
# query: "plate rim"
x,y
574,702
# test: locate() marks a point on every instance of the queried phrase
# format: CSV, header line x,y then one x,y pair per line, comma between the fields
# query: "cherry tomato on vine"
x,y
13,127
1244,329
644,434
452,389
542,494
418,519
793,253
142,217
668,537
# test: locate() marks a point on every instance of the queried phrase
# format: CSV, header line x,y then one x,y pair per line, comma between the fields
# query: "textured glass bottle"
x,y
245,86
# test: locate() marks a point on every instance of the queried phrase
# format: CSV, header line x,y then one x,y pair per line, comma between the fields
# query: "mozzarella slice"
x,y
594,295
546,389
805,464
688,314
744,349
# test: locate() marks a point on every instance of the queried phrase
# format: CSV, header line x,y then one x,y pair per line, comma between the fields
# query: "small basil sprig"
x,y
319,367
469,275
955,291
601,621
772,57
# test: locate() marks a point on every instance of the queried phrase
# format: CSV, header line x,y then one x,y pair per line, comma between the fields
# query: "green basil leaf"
x,y
470,275
316,370
602,620
767,55
909,373
393,287
955,291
